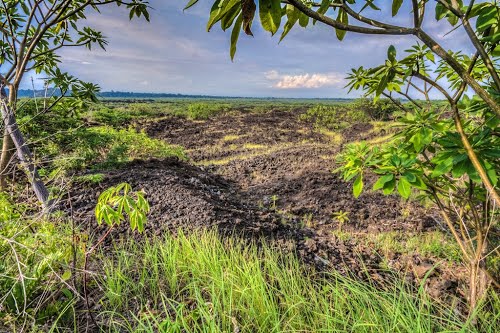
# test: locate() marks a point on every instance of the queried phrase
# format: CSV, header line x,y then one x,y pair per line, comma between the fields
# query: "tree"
x,y
452,160
32,33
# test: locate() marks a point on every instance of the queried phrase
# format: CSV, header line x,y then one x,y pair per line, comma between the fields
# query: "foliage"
x,y
334,117
429,244
93,178
203,111
35,260
382,109
202,283
119,203
105,147
121,116
455,165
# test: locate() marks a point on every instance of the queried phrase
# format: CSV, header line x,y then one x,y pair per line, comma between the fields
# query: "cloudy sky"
x,y
175,54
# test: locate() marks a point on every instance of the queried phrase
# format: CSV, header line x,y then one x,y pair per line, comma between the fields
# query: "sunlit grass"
x,y
199,283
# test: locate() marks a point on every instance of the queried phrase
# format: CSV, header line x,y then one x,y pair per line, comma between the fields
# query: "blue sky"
x,y
175,54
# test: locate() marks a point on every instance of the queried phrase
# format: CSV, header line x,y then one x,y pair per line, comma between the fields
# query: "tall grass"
x,y
199,283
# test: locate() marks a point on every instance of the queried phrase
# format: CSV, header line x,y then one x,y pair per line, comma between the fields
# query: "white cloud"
x,y
309,81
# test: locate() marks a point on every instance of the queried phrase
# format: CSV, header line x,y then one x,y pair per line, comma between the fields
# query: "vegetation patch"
x,y
105,147
199,282
203,110
334,117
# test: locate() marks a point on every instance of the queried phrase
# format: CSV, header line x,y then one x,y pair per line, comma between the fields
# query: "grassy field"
x,y
258,158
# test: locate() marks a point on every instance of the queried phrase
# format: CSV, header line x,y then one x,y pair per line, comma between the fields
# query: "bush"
x,y
334,117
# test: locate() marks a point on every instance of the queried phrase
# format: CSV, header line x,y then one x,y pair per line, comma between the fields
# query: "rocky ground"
x,y
270,175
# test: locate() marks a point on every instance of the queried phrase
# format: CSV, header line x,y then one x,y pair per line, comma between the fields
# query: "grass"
x,y
103,147
428,244
35,260
433,244
199,283
230,137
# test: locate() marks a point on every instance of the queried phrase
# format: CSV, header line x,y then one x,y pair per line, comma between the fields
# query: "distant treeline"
x,y
131,95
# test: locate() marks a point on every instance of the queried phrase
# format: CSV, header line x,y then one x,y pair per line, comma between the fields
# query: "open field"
x,y
254,178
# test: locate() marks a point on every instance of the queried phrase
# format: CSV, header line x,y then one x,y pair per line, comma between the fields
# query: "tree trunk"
x,y
5,159
479,279
23,152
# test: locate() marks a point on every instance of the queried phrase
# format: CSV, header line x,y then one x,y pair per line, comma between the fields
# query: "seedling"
x,y
341,218
274,200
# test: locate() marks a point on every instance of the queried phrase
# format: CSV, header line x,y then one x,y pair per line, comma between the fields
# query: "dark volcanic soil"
x,y
268,175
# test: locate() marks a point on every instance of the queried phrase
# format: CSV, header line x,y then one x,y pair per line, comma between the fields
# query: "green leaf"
x,y
303,20
389,186
357,186
410,176
440,11
66,275
235,35
342,18
460,168
487,17
391,53
270,15
229,18
416,139
396,5
442,168
379,184
293,15
404,187
190,4
381,86
419,183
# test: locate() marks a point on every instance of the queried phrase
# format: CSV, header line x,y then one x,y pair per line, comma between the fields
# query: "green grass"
x,y
35,260
433,244
204,110
334,117
104,147
199,283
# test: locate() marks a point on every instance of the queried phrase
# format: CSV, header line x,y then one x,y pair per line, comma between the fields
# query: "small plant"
x,y
119,202
341,218
274,201
307,220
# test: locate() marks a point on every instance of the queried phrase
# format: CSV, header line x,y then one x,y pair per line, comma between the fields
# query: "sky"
x,y
175,54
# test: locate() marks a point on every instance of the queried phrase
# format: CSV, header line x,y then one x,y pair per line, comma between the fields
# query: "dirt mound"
x,y
183,196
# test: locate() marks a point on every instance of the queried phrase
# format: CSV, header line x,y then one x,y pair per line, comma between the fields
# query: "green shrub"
x,y
334,117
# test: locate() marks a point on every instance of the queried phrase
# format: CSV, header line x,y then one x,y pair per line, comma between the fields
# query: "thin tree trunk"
x,y
5,159
479,279
23,152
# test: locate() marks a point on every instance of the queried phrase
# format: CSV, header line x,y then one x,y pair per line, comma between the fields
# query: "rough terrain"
x,y
270,175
